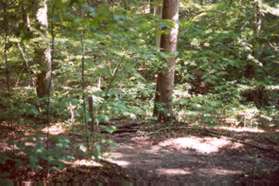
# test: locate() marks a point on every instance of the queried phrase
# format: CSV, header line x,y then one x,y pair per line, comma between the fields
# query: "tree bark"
x,y
165,79
6,39
155,8
249,70
201,2
257,17
43,52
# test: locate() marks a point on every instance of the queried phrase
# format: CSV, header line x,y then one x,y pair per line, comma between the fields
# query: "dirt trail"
x,y
156,154
196,157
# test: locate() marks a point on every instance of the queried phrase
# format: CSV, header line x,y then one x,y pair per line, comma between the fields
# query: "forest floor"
x,y
179,155
161,154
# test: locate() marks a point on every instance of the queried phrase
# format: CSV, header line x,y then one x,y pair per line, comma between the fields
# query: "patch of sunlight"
x,y
93,89
54,129
87,163
154,149
120,163
231,121
202,145
5,147
248,113
242,129
172,172
115,157
181,115
141,140
30,144
27,183
221,172
181,93
272,10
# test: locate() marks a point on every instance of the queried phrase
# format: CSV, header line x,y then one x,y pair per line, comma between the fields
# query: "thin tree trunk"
x,y
43,53
157,12
155,8
165,79
257,17
125,4
151,6
43,77
201,2
249,70
7,70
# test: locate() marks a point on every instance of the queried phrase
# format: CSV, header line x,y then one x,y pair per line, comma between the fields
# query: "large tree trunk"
x,y
43,52
165,79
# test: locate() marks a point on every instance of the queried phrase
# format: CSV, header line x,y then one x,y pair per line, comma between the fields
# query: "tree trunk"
x,y
43,52
201,2
165,79
155,8
249,70
6,40
257,17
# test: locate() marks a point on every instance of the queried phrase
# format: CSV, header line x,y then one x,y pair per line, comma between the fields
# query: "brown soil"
x,y
182,155
160,154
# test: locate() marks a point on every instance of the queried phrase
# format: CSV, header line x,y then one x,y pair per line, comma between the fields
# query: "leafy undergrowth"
x,y
53,154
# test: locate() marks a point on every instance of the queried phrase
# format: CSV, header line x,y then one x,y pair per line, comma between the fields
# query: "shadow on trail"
x,y
200,157
179,155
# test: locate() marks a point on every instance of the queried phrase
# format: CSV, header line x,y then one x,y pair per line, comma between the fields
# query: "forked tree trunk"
x,y
43,52
165,79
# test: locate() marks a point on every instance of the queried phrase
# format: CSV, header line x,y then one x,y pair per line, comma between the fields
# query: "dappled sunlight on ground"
x,y
85,162
241,129
174,171
201,145
55,129
177,153
116,157
5,146
184,154
218,171
121,163
142,140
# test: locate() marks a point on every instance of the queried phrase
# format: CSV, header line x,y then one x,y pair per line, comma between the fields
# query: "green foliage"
x,y
54,151
220,41
221,51
6,182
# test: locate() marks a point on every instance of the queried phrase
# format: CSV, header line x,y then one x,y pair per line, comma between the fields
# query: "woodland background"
x,y
57,54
